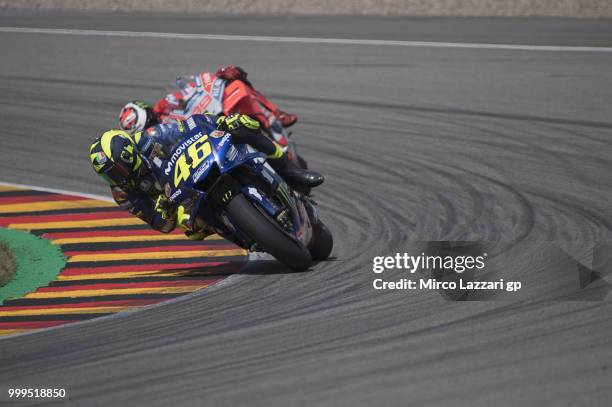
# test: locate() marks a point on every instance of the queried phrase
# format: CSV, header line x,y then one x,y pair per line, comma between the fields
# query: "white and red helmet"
x,y
135,116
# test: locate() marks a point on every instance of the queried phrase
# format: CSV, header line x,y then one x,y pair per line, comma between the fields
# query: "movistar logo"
x,y
180,150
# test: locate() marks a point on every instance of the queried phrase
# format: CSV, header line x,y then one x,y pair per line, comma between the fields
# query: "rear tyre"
x,y
301,162
261,228
323,242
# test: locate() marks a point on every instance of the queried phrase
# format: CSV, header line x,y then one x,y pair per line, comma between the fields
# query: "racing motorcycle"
x,y
205,92
233,189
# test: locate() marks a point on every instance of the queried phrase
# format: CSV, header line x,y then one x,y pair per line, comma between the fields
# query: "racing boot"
x,y
287,119
294,175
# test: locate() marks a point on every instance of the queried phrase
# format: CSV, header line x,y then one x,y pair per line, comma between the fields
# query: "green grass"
x,y
7,264
36,262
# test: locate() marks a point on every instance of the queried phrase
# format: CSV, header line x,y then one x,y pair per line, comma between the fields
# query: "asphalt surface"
x,y
418,144
534,30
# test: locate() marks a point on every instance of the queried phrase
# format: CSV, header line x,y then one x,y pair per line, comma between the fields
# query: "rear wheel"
x,y
323,242
302,163
262,228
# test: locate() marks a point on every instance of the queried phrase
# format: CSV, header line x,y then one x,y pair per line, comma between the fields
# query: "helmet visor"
x,y
128,118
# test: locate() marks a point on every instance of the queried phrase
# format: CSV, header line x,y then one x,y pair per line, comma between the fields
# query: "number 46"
x,y
198,151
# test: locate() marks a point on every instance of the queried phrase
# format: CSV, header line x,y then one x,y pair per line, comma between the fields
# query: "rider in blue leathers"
x,y
129,164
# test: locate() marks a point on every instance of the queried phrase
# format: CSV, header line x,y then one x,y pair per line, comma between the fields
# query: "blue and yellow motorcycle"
x,y
233,189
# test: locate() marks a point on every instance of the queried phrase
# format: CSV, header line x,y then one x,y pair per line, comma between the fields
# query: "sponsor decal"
x,y
216,89
157,161
180,150
188,92
202,105
171,99
255,193
175,195
206,78
222,142
101,157
146,145
266,173
227,196
231,154
216,134
200,171
191,123
167,190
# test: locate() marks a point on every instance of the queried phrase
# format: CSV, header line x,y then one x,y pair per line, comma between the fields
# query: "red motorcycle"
x,y
205,92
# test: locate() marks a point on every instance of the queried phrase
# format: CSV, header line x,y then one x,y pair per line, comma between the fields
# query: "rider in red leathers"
x,y
138,115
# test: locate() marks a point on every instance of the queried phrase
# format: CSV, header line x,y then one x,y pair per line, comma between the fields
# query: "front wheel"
x,y
261,228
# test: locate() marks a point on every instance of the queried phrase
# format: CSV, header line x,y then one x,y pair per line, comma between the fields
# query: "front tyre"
x,y
261,228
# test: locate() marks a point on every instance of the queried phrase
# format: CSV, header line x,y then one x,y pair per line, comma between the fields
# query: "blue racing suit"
x,y
145,197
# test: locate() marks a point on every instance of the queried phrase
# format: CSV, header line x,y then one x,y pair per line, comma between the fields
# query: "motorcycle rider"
x,y
128,164
138,115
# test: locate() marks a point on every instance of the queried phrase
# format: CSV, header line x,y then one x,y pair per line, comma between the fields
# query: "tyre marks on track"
x,y
115,262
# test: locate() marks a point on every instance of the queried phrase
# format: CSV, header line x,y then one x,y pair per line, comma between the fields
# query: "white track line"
x,y
58,191
303,40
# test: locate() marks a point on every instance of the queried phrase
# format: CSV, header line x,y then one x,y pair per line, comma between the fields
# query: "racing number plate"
x,y
196,152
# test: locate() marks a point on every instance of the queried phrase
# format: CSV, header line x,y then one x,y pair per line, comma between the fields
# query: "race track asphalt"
x,y
417,144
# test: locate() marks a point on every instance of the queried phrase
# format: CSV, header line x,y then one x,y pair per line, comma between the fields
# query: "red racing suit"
x,y
259,107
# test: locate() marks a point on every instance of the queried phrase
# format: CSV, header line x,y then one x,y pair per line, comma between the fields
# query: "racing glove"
x,y
200,230
236,122
161,207
159,214
248,131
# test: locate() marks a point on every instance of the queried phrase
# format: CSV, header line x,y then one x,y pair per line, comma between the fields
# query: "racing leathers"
x,y
145,197
260,105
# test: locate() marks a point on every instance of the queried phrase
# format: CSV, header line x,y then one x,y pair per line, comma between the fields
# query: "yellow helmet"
x,y
115,158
